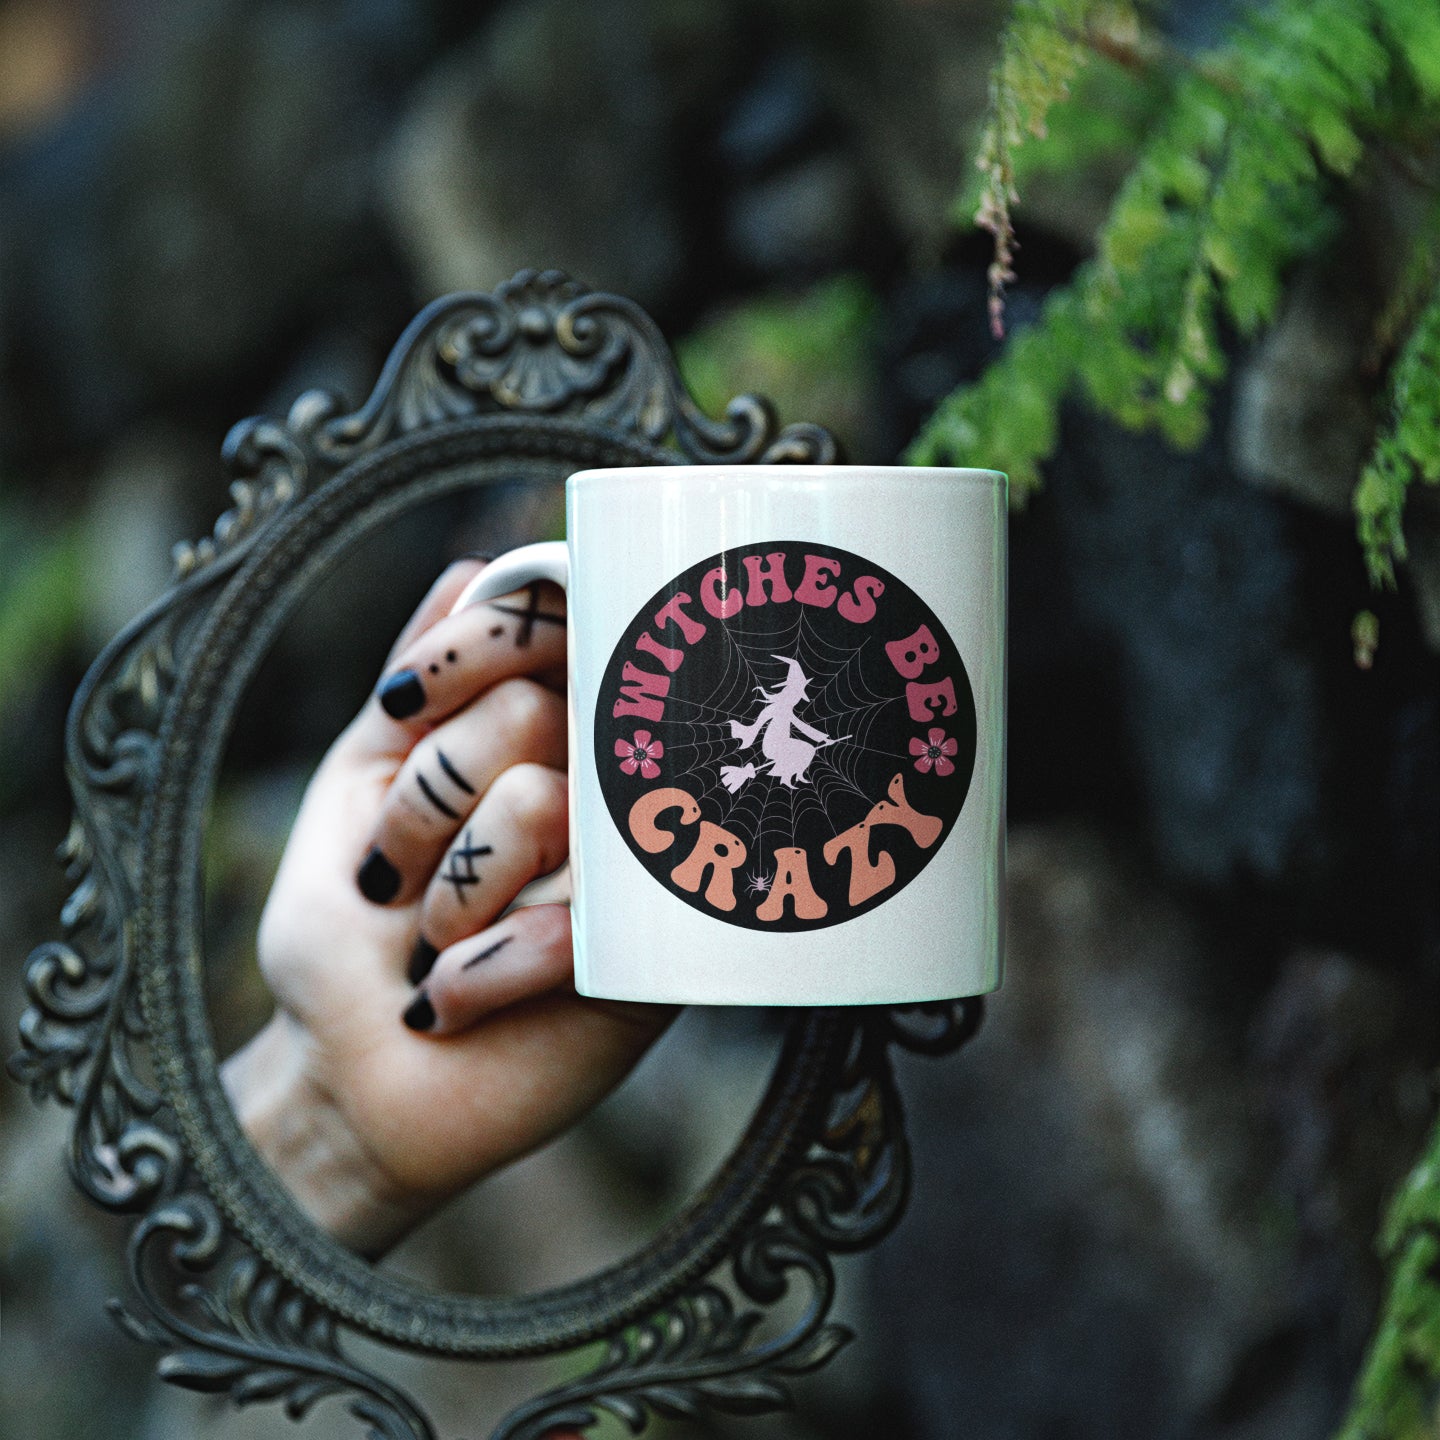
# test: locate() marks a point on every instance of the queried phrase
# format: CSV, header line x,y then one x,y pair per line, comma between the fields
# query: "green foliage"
x,y
41,582
1112,106
1249,153
811,353
1407,449
1395,1397
1243,161
1045,46
1413,32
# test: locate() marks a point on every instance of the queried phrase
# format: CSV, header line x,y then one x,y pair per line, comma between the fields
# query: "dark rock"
x,y
1259,753
1341,1053
796,203
937,328
1192,582
542,144
909,83
187,218
802,221
779,117
1180,654
1303,419
1422,569
1104,1239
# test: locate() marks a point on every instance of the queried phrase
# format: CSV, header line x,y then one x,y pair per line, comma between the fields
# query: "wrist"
x,y
300,1132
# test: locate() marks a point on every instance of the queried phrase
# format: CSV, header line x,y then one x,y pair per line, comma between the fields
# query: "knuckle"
x,y
526,710
547,928
530,796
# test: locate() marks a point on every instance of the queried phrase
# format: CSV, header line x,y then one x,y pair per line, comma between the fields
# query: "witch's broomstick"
x,y
734,777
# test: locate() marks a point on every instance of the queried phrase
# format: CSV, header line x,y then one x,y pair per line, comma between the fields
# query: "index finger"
x,y
439,667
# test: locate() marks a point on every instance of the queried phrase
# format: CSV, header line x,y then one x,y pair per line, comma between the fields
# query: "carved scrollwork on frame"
x,y
240,1293
543,345
709,1348
239,1330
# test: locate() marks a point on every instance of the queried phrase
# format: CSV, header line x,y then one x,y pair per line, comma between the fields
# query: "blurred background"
x,y
1147,1196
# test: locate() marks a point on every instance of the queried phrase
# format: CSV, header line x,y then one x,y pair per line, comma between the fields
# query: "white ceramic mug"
x,y
787,730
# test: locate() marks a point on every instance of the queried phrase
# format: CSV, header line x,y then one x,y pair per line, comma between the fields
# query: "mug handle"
x,y
547,560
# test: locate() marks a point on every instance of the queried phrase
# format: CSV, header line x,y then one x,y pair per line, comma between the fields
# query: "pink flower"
x,y
934,752
640,753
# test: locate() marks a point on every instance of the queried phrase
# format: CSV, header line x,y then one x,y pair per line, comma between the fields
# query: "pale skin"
x,y
376,1099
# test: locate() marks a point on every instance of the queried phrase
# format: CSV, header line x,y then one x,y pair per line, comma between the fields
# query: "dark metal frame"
x,y
244,1295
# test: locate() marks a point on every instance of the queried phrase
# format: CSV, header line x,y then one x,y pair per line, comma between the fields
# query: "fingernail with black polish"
x,y
402,694
378,879
420,1015
422,960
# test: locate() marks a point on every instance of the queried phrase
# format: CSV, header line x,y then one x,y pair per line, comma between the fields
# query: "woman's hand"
x,y
425,1033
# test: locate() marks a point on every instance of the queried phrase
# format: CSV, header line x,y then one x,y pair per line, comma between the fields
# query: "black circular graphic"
x,y
785,735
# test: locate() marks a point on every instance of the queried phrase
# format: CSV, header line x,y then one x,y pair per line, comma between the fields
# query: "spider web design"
x,y
842,780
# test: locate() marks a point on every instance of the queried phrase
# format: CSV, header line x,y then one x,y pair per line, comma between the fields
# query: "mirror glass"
x,y
599,1191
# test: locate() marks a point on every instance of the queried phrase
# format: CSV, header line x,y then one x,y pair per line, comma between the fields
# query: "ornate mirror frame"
x,y
244,1295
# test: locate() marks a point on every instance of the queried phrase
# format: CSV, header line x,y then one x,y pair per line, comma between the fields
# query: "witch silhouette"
x,y
787,742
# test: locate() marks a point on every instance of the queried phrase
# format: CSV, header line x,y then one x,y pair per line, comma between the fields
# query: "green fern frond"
x,y
1243,175
1408,449
1114,102
1045,45
1395,1396
1419,275
1413,32
1012,412
1233,187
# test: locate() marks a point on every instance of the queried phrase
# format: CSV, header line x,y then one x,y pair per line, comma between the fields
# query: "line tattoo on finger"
x,y
455,778
460,869
453,773
428,792
494,949
530,616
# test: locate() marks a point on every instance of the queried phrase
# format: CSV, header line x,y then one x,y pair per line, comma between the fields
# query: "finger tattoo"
x,y
495,949
461,871
451,774
434,799
530,616
451,656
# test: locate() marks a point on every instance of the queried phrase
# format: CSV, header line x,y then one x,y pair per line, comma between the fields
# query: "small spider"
x,y
758,883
